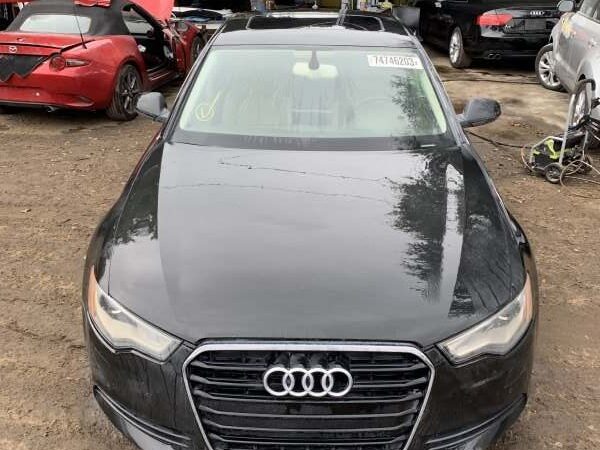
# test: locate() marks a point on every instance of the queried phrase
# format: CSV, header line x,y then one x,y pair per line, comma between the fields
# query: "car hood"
x,y
391,245
160,9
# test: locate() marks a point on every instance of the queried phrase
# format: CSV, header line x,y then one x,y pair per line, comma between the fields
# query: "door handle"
x,y
592,43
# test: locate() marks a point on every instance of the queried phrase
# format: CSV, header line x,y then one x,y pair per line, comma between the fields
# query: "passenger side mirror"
x,y
565,6
154,106
479,111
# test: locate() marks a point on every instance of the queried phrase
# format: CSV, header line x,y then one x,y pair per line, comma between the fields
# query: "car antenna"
x,y
79,25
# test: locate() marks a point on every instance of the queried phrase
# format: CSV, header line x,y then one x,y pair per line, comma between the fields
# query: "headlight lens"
x,y
123,330
496,335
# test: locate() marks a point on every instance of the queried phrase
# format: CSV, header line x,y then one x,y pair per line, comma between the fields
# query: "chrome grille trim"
x,y
319,346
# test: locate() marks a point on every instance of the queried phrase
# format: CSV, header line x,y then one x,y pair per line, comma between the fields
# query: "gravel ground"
x,y
60,172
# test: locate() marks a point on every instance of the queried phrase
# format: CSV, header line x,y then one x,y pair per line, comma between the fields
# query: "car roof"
x,y
334,28
104,20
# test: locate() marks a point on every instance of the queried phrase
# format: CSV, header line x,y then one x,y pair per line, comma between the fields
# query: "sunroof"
x,y
358,22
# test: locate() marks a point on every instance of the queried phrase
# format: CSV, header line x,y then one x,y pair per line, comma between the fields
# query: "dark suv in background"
x,y
487,29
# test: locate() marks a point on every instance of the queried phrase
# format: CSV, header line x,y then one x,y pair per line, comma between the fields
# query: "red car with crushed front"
x,y
91,54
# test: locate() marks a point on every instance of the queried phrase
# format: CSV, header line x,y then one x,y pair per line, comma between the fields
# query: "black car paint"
x,y
209,244
440,18
218,244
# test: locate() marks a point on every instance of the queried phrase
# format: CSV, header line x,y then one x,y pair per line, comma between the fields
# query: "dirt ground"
x,y
60,172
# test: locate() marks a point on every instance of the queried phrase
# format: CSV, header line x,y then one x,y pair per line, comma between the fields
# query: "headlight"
x,y
123,330
496,335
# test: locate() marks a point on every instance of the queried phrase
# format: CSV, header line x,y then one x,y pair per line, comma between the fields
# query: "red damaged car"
x,y
91,54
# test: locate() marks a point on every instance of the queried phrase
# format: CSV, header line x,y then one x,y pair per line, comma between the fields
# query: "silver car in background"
x,y
574,51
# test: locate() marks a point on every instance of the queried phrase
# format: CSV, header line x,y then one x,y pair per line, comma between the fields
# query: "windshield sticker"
x,y
206,111
395,61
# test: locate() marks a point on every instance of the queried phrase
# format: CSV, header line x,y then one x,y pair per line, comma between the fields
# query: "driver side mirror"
x,y
565,6
479,111
154,106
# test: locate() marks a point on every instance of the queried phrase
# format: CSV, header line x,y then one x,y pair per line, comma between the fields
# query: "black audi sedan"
x,y
487,29
310,255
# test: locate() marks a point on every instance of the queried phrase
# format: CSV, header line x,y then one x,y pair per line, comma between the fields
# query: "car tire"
x,y
553,173
456,50
544,69
128,87
197,46
583,105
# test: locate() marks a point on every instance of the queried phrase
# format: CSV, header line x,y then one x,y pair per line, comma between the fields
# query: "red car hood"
x,y
161,9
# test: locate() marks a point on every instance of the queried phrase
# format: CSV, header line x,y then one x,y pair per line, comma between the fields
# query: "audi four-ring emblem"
x,y
280,381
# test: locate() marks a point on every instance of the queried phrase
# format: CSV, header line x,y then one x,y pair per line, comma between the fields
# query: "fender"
x,y
589,67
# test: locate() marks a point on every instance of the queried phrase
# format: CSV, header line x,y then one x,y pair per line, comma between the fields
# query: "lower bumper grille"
x,y
389,387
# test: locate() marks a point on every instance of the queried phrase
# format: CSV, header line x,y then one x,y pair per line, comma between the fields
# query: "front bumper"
x,y
469,406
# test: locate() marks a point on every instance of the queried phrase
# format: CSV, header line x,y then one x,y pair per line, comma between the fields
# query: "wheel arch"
x,y
589,66
131,61
451,29
585,71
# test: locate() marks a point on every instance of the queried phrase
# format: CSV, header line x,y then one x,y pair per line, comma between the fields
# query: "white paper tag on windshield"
x,y
395,61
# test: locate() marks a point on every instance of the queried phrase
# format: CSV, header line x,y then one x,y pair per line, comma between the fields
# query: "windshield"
x,y
56,23
305,97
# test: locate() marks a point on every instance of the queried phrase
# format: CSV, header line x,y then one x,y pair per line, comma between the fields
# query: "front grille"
x,y
235,411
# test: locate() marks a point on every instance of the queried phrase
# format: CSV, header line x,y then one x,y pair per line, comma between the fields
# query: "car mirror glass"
x,y
479,111
566,6
154,106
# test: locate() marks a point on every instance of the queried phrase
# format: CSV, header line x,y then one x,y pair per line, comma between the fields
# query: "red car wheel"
x,y
127,90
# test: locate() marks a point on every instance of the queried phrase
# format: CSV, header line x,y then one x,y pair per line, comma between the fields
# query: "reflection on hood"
x,y
401,246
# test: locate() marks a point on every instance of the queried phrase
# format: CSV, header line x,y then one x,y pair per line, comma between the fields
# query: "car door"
x,y
560,46
582,35
453,13
157,42
443,20
178,47
428,19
